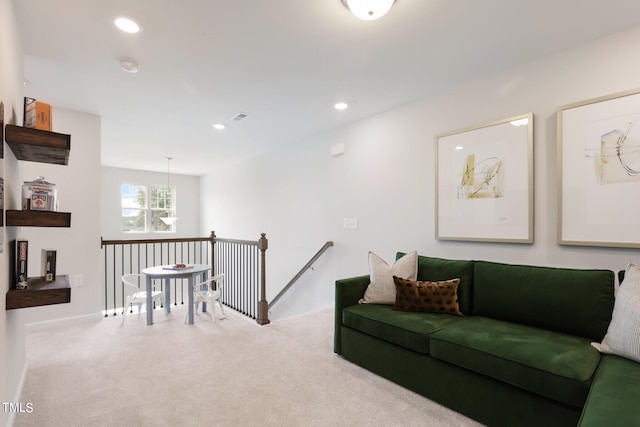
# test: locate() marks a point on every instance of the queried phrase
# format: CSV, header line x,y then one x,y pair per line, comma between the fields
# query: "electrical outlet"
x,y
78,280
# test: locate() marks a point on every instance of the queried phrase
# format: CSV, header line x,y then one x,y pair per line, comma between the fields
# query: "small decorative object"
x,y
599,171
178,266
484,182
49,265
22,254
39,195
22,284
37,114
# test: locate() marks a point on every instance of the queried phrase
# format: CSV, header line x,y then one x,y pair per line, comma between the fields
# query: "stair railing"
x,y
244,264
242,261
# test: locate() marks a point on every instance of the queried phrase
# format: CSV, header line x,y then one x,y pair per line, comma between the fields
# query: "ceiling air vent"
x,y
240,117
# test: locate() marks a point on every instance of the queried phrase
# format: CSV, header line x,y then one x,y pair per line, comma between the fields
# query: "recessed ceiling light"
x,y
127,25
368,9
341,106
218,126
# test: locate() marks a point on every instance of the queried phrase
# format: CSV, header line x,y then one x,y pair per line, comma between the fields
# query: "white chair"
x,y
209,292
135,295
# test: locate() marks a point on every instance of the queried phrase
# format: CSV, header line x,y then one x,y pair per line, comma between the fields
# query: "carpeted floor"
x,y
231,373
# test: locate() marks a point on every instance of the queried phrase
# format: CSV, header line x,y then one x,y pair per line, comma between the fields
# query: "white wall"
x,y
78,246
187,203
12,351
79,187
300,195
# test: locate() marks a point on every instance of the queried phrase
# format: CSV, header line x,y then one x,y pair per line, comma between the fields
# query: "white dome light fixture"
x,y
368,10
340,106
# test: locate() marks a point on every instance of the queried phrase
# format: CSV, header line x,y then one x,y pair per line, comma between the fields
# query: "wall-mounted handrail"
x,y
300,273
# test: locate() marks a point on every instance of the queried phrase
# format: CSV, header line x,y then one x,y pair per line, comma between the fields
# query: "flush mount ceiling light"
x,y
218,126
368,10
127,25
129,65
340,106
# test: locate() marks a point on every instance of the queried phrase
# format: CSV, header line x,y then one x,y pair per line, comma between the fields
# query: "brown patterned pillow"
x,y
438,297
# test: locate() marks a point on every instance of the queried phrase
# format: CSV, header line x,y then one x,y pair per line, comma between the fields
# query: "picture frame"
x,y
599,171
484,182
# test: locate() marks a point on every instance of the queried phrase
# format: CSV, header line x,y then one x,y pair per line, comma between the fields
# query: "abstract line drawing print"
x,y
481,180
619,157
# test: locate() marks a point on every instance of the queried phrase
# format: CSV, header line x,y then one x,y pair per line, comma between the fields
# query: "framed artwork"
x,y
599,171
484,182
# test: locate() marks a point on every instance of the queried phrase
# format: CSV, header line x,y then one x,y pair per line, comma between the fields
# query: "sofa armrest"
x,y
348,292
613,398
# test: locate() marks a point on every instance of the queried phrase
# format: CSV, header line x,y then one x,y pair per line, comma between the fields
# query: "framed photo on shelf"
x,y
599,171
484,182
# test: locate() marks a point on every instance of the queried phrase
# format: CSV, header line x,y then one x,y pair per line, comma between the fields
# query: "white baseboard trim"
x,y
23,377
65,321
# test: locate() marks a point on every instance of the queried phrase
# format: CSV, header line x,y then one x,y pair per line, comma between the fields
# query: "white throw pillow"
x,y
623,335
382,290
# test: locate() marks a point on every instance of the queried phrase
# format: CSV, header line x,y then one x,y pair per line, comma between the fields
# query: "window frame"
x,y
150,213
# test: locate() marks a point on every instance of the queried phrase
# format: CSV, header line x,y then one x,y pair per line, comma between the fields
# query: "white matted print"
x,y
599,171
484,182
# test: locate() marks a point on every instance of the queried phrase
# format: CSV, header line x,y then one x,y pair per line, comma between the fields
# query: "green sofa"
x,y
521,353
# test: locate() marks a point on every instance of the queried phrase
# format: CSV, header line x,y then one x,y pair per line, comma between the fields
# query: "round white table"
x,y
167,273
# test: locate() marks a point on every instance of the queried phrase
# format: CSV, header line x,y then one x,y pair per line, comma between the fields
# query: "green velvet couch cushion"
x,y
551,364
407,329
573,301
439,269
613,399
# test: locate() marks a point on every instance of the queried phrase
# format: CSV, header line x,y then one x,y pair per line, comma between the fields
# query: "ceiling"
x,y
285,63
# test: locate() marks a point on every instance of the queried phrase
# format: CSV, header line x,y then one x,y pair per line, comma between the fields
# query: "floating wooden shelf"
x,y
38,219
40,293
34,145
41,146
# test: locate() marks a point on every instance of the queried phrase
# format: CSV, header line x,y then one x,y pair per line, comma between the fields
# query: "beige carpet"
x,y
231,373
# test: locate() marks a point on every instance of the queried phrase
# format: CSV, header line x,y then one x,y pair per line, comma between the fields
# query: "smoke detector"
x,y
129,65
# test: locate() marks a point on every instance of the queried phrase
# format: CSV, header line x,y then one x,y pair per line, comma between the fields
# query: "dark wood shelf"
x,y
38,219
34,145
40,293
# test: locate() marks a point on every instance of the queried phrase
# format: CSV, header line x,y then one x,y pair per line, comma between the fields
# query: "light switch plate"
x,y
350,223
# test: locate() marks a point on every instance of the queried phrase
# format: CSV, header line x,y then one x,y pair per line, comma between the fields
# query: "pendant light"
x,y
368,10
169,220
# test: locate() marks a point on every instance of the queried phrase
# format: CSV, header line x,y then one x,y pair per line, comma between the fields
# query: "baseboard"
x,y
65,321
23,377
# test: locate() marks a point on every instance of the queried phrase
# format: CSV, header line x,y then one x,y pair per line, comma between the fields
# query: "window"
x,y
144,206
